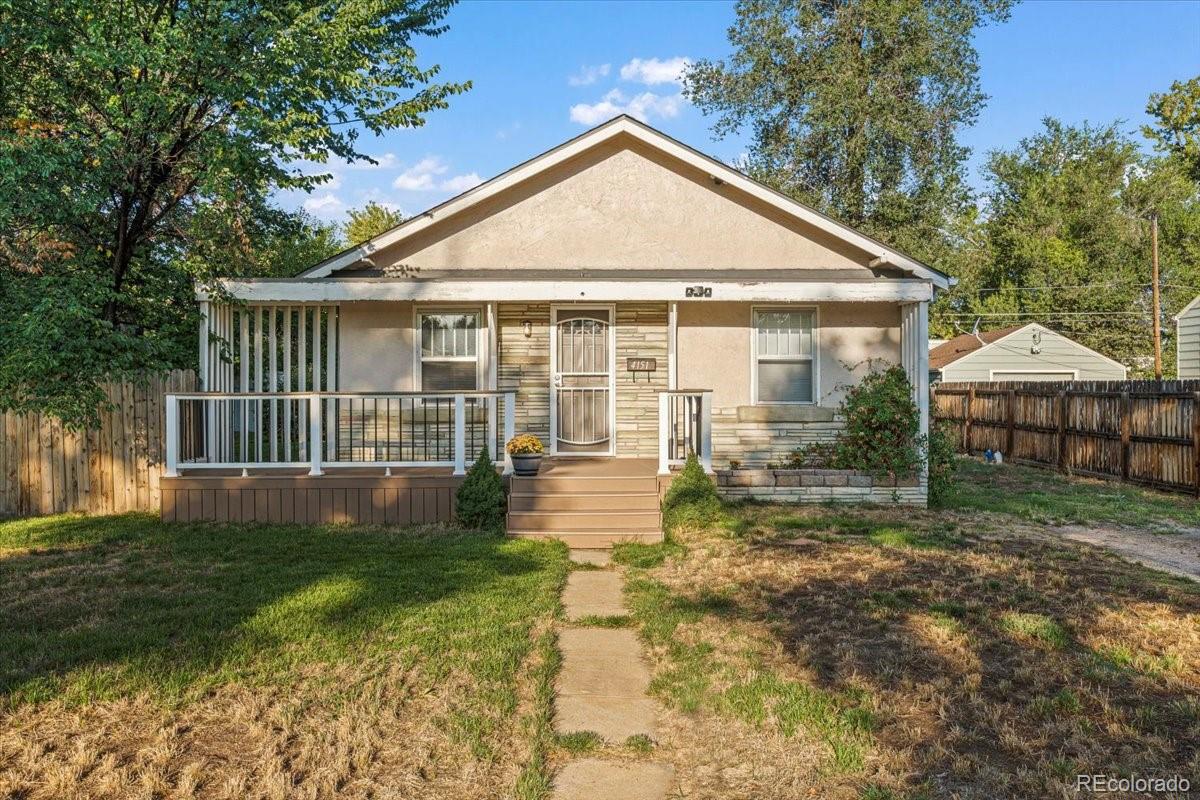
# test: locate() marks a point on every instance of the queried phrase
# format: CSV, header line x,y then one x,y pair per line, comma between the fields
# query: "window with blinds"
x,y
784,365
449,351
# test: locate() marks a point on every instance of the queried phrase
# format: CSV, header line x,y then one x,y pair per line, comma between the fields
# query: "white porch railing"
x,y
315,430
684,426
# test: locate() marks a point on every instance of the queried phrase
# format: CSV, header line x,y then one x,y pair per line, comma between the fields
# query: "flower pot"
x,y
526,464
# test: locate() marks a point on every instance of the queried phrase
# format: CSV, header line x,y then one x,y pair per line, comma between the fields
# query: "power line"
x,y
1047,314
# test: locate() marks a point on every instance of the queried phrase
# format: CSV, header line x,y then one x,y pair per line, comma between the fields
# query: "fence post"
x,y
1196,441
314,433
1062,431
664,429
172,423
460,434
1125,431
510,427
967,421
1012,414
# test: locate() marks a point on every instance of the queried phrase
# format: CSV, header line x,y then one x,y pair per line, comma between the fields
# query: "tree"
x,y
1066,240
144,138
1177,131
854,106
370,221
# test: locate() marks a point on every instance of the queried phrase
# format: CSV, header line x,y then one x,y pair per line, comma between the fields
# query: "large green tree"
x,y
1066,241
370,221
1176,131
141,141
854,107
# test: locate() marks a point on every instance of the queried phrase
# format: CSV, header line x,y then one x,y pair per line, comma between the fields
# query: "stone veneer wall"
x,y
758,443
641,333
524,364
821,486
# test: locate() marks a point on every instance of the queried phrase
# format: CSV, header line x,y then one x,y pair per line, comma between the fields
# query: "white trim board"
x,y
879,253
350,290
990,345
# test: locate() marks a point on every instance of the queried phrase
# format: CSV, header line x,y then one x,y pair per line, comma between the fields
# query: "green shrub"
x,y
882,424
941,463
815,455
692,498
480,497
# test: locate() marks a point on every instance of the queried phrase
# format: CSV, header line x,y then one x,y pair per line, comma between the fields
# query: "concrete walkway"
x,y
602,689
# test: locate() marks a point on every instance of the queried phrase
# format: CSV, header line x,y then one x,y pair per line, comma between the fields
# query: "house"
x,y
1029,352
1187,341
622,296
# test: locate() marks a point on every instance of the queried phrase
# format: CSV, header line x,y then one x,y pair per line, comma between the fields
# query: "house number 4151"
x,y
698,291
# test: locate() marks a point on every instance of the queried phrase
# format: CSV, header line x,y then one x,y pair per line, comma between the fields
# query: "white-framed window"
x,y
783,354
448,348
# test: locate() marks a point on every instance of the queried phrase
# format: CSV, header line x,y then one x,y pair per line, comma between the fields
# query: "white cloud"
x,y
652,71
508,130
326,206
385,161
642,106
460,183
420,176
588,75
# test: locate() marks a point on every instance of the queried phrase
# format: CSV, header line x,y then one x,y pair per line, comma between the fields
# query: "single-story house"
x,y
1187,341
622,296
1029,352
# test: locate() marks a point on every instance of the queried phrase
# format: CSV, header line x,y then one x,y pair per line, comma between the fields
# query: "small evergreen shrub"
x,y
692,498
941,463
480,497
882,424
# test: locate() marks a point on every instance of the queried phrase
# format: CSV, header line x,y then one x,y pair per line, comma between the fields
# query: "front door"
x,y
582,380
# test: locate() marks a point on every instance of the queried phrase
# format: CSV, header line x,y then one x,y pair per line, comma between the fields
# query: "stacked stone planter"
x,y
819,486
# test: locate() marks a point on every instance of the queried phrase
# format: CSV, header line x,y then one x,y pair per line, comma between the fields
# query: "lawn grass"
x,y
1043,495
427,647
897,653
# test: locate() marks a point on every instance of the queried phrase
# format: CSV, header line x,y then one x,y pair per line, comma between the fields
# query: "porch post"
x,y
706,431
460,434
314,433
172,422
510,427
664,432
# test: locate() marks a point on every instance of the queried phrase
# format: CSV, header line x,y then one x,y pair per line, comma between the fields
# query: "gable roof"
x,y
967,344
882,255
1187,308
950,351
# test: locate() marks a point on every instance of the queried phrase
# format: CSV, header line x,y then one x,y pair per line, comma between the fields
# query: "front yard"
x,y
962,653
967,652
146,660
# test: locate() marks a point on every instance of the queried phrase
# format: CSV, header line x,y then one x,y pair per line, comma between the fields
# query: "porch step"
x,y
585,510
572,520
589,501
581,484
591,540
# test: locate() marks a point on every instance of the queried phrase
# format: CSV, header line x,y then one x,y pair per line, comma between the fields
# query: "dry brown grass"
x,y
991,661
422,683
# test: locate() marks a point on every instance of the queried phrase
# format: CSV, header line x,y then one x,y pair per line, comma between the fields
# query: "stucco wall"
x,y
1014,353
621,206
714,347
375,347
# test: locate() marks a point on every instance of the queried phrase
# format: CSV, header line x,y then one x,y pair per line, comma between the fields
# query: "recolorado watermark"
x,y
1102,784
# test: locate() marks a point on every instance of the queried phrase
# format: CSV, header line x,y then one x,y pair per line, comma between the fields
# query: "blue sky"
x,y
544,72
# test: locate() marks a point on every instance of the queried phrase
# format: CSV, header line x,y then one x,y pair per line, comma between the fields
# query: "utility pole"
x,y
1154,292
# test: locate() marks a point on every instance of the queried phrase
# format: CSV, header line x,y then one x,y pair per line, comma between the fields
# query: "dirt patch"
x,y
1176,553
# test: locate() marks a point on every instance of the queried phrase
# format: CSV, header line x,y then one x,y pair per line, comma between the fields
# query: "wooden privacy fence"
x,y
1144,432
46,468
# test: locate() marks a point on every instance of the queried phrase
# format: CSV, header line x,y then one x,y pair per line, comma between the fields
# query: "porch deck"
x,y
419,494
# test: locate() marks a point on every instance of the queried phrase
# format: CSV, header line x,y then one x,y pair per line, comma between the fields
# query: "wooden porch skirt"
x,y
310,500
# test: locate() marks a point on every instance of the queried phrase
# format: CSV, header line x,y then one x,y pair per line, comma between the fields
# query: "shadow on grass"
x,y
102,607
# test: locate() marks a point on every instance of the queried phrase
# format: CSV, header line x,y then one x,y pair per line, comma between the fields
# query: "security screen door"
x,y
582,376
